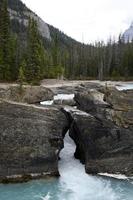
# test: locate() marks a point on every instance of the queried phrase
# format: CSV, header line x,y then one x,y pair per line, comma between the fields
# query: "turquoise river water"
x,y
73,184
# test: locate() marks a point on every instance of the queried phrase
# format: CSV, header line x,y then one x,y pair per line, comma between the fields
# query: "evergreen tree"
x,y
35,58
13,65
61,56
4,42
57,68
8,69
55,51
21,77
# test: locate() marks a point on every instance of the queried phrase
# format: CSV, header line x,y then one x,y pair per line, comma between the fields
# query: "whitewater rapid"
x,y
73,184
76,183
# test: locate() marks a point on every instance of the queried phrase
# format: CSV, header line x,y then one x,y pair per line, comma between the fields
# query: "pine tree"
x,y
21,76
55,51
4,41
35,58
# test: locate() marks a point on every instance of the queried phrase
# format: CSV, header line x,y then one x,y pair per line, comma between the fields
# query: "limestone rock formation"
x,y
30,140
19,14
104,134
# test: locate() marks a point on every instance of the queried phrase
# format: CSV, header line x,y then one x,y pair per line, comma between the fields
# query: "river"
x,y
73,184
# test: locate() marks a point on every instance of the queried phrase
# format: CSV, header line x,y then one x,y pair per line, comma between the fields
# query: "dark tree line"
x,y
27,57
7,45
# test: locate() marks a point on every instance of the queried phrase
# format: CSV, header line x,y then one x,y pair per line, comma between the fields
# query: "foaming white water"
x,y
47,103
127,86
58,97
47,197
117,176
64,97
76,182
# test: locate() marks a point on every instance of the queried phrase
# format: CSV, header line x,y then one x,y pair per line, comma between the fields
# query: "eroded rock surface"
x,y
31,136
104,135
30,140
26,94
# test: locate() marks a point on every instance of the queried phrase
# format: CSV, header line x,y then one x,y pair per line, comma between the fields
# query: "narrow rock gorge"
x,y
31,135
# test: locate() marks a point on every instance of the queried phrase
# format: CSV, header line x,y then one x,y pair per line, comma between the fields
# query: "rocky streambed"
x,y
31,135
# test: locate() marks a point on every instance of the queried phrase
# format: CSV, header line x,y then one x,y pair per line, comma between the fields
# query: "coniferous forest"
x,y
27,56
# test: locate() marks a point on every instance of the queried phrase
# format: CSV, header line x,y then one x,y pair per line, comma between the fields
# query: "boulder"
x,y
85,129
104,134
91,101
103,150
26,94
31,138
119,100
109,105
122,106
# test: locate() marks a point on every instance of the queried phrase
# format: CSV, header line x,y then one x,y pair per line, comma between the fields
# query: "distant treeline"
x,y
27,57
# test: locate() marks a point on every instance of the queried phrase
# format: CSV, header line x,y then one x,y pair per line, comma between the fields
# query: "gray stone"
x,y
104,135
90,100
31,138
42,26
28,94
119,100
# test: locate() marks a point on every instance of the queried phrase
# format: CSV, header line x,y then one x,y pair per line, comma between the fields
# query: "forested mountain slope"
x,y
19,15
37,50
